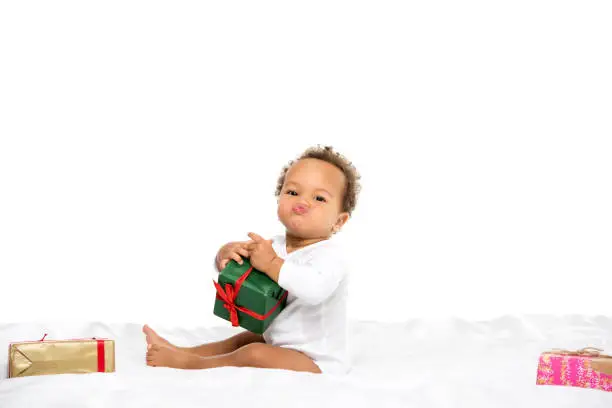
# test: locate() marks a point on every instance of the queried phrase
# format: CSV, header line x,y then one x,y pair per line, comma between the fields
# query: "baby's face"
x,y
310,201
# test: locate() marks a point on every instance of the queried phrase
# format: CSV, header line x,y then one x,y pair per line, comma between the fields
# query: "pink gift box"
x,y
585,368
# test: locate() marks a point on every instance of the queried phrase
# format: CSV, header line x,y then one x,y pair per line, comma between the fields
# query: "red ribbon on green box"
x,y
230,294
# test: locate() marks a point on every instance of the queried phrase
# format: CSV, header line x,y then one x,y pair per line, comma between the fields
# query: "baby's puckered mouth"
x,y
300,209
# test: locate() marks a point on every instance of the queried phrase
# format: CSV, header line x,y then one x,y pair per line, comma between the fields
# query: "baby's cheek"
x,y
284,208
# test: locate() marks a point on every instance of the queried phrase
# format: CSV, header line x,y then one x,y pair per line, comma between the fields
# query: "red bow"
x,y
229,297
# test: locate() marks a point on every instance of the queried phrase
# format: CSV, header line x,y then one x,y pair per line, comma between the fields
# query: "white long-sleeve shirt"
x,y
314,320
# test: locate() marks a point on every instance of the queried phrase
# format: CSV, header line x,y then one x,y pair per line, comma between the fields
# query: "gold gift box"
x,y
61,357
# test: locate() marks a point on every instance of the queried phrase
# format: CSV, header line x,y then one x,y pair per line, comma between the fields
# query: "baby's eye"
x,y
291,192
321,198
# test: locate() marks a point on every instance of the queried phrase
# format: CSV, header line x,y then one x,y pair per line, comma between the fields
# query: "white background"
x,y
138,137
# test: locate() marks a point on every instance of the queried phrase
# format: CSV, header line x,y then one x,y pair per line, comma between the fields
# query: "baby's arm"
x,y
312,281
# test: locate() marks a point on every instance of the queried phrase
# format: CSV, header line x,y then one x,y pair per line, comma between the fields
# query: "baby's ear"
x,y
342,219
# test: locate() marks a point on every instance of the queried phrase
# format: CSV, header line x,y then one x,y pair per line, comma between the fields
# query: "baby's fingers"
x,y
236,257
243,252
245,244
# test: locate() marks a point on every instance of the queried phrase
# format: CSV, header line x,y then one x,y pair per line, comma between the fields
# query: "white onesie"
x,y
314,320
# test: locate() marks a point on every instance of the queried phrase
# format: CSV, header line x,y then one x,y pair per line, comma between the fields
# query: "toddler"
x,y
316,196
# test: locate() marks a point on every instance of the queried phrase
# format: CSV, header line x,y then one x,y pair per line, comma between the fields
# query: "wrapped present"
x,y
248,297
585,368
76,356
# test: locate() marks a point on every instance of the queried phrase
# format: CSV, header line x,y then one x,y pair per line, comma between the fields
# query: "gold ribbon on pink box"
x,y
586,351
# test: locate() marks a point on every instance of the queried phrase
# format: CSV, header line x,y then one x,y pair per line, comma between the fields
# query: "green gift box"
x,y
247,297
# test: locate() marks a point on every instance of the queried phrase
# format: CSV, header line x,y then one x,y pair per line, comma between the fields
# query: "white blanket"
x,y
418,363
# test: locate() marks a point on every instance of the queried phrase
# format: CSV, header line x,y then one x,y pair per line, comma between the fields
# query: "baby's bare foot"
x,y
163,356
154,338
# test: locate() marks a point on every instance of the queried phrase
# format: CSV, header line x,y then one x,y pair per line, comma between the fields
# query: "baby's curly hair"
x,y
327,154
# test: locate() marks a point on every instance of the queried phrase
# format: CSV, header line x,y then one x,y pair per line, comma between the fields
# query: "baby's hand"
x,y
232,250
261,253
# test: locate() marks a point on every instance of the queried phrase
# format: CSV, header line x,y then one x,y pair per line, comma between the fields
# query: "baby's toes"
x,y
152,351
152,358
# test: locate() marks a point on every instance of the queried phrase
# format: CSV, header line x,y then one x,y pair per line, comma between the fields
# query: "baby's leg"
x,y
226,346
259,355
205,350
